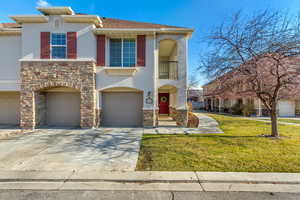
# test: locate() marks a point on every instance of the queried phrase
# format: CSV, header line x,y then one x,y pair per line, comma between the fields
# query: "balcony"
x,y
168,70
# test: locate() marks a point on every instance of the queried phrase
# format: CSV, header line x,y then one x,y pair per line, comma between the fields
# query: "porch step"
x,y
166,121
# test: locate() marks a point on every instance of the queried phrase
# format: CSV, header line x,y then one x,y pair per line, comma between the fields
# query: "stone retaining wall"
x,y
180,116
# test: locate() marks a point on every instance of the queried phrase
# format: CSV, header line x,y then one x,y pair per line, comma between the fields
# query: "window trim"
x,y
51,45
122,44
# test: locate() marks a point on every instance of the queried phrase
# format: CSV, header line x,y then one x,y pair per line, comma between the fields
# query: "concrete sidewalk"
x,y
150,181
267,120
207,124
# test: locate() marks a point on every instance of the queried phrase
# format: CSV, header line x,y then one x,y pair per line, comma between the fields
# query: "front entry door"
x,y
163,101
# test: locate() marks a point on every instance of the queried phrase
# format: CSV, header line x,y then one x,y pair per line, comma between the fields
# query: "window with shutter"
x,y
122,52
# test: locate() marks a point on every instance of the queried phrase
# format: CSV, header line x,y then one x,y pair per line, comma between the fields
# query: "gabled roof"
x,y
112,23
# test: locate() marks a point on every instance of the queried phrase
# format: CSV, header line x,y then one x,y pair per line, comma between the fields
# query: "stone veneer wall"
x,y
98,118
40,108
156,117
39,75
149,118
173,112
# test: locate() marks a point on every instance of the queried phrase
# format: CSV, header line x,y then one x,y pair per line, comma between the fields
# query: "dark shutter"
x,y
141,50
45,45
72,45
100,50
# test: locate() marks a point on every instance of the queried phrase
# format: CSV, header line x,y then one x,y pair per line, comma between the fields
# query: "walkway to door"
x,y
166,121
166,125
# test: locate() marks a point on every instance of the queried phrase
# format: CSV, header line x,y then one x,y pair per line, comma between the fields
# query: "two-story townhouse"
x,y
218,99
60,68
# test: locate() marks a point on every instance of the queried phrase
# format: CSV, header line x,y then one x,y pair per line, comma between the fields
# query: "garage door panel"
x,y
286,108
122,109
63,109
9,108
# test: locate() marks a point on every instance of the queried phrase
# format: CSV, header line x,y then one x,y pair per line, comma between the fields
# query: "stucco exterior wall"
x,y
86,40
143,79
10,53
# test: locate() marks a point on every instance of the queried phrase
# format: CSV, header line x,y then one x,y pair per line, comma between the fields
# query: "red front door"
x,y
163,102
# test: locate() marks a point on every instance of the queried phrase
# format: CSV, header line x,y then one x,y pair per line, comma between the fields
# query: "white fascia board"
x,y
56,10
10,31
29,18
134,30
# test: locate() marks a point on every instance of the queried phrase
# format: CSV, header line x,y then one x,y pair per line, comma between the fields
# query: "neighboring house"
x,y
65,69
195,96
223,102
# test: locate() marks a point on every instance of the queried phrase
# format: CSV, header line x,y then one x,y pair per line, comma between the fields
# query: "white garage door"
x,y
63,109
122,109
9,108
286,108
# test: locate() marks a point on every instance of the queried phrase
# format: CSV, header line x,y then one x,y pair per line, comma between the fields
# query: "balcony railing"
x,y
168,70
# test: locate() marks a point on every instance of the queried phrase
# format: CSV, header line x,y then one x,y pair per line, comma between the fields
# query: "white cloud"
x,y
42,3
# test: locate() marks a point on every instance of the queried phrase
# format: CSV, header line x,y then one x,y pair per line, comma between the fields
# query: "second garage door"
x,y
123,109
9,108
63,109
286,108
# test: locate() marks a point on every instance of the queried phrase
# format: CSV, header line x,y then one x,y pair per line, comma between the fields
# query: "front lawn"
x,y
238,149
290,121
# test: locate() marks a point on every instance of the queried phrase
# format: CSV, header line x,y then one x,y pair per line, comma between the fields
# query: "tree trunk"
x,y
274,123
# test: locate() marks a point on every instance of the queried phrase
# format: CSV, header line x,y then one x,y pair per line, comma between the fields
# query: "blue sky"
x,y
201,15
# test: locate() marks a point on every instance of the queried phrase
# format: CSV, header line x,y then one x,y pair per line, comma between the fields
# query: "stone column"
x,y
88,108
149,118
27,110
40,108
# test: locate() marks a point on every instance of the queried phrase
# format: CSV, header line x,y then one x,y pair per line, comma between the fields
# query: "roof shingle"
x,y
119,23
110,23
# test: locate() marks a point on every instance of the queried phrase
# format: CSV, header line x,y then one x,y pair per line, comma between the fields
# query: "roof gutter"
x,y
144,30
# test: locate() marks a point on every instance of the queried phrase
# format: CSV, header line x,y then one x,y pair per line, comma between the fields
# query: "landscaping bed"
x,y
239,149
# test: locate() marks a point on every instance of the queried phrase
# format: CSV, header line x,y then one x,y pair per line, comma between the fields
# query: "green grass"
x,y
238,149
290,121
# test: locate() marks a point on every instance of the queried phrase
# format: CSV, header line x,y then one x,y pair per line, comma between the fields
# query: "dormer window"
x,y
58,46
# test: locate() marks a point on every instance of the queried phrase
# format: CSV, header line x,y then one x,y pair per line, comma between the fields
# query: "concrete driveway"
x,y
108,149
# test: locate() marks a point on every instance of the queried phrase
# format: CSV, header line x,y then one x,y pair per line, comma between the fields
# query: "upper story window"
x,y
122,52
58,45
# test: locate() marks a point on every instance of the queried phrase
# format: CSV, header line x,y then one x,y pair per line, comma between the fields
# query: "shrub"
x,y
248,109
237,109
190,106
193,120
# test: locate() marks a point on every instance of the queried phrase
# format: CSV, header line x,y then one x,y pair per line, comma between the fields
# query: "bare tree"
x,y
260,54
193,81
